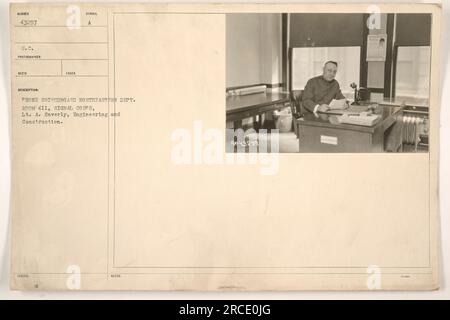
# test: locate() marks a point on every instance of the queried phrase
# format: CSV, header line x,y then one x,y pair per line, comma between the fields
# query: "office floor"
x,y
288,142
411,148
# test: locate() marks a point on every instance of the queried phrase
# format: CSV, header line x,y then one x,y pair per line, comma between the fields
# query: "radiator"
x,y
412,128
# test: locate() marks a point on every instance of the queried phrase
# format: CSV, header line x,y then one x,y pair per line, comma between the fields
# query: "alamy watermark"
x,y
198,146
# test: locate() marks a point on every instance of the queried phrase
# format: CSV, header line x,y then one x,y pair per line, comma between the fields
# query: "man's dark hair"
x,y
331,61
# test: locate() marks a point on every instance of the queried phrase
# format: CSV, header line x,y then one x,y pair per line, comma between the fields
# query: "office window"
x,y
413,72
308,63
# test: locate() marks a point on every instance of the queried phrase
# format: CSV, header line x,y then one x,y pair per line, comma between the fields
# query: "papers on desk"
x,y
351,109
340,104
361,119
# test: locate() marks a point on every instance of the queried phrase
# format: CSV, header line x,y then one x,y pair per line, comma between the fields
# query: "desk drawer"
x,y
321,139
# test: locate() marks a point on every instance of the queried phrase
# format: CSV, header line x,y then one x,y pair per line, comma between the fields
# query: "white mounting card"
x,y
121,180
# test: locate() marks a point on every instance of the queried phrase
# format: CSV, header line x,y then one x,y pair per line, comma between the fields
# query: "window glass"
x,y
413,72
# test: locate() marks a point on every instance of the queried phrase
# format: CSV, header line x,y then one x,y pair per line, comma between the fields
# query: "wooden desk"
x,y
241,107
323,132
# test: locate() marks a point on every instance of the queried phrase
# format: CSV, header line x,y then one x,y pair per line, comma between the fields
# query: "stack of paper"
x,y
362,120
338,104
349,110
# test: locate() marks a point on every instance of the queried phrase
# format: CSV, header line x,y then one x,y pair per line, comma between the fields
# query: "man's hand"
x,y
323,108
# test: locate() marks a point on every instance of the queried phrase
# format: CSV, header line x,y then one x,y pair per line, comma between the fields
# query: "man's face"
x,y
329,71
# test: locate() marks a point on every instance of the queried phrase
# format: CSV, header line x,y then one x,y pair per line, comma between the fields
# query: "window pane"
x,y
308,63
413,72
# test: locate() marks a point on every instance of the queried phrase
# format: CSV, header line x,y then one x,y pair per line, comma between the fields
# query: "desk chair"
x,y
296,108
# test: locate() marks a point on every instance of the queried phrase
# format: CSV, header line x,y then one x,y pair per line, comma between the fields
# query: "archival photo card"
x,y
225,147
